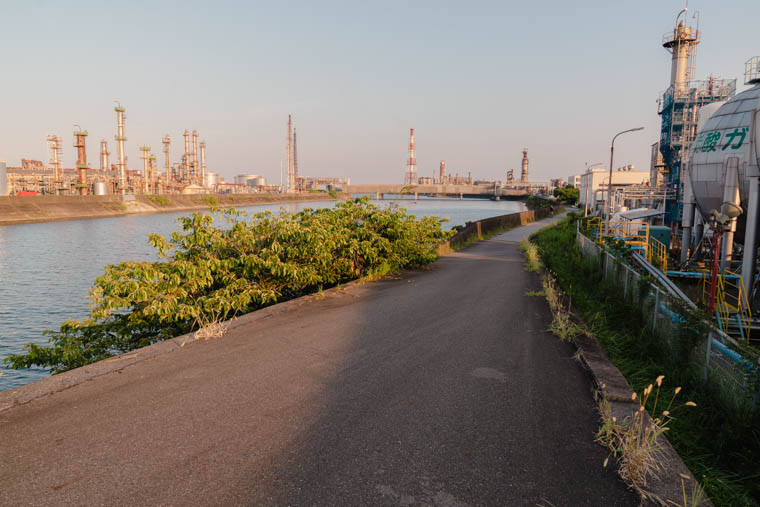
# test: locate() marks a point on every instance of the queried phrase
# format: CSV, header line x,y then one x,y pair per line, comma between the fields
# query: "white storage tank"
x,y
3,178
100,188
731,132
211,179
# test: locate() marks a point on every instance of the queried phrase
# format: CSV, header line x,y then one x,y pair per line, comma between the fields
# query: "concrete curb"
x,y
55,383
613,387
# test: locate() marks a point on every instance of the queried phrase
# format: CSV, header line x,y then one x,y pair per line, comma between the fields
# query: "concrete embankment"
x,y
29,209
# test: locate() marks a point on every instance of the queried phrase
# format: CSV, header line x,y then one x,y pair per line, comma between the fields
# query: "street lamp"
x,y
609,184
585,203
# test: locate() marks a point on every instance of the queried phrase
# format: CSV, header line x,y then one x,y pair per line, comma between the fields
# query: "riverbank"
x,y
51,208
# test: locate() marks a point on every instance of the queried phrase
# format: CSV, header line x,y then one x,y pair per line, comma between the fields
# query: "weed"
x,y
211,200
562,324
209,327
635,441
159,199
535,293
530,251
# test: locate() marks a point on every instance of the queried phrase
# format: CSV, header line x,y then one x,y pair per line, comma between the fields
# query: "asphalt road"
x,y
439,388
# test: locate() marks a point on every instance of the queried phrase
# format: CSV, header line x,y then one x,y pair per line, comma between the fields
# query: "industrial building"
x,y
594,183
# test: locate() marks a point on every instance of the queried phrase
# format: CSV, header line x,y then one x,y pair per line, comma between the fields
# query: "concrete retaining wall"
x,y
47,208
476,230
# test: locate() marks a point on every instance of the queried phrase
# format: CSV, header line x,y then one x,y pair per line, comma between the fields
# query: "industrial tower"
x,y
79,144
679,108
203,163
295,158
411,163
291,176
146,157
120,138
167,164
104,155
186,159
194,165
55,159
524,174
442,173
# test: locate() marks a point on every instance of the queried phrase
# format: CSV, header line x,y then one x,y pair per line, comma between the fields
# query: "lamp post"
x,y
588,168
609,184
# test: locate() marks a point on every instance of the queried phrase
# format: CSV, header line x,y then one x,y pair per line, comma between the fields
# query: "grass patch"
x,y
159,199
211,200
719,444
530,251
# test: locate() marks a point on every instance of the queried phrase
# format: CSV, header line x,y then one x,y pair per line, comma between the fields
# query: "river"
x,y
46,269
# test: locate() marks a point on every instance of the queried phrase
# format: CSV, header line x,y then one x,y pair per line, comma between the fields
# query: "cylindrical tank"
x,y
731,132
3,179
259,181
211,179
100,188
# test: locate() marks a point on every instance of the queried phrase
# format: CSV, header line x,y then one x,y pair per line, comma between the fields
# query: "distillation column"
x,y
295,160
152,178
196,169
167,165
79,144
680,45
55,150
145,155
442,173
524,174
186,158
120,138
104,155
203,162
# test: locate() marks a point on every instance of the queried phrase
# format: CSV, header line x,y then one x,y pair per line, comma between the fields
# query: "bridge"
x,y
439,190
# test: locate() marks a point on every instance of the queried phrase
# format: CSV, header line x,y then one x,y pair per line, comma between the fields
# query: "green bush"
x,y
211,200
210,273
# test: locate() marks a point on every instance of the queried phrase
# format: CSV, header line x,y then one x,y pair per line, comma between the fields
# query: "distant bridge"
x,y
439,190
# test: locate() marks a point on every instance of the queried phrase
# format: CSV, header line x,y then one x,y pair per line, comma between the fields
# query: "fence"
x,y
715,356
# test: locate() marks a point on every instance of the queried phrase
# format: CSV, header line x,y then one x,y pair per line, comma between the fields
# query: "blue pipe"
x,y
735,356
695,274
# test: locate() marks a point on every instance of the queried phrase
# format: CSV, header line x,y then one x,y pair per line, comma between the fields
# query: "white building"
x,y
574,181
593,186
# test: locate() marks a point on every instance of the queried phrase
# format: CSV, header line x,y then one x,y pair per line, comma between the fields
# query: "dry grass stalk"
x,y
635,441
530,251
562,324
210,327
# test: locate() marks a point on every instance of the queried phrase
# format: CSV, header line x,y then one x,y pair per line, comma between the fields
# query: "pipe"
x,y
688,217
730,195
203,162
750,236
699,234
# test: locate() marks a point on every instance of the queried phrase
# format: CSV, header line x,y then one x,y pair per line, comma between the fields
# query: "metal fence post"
x,y
625,283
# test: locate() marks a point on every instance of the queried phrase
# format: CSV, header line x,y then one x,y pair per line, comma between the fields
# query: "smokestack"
x,y
120,138
79,144
295,159
411,163
524,175
291,176
167,164
104,155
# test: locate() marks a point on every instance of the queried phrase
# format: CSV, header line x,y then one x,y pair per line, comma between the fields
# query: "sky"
x,y
478,81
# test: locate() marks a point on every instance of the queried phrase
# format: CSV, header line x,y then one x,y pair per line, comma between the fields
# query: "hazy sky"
x,y
478,81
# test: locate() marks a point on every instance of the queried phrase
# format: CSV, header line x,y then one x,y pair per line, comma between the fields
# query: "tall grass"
x,y
719,445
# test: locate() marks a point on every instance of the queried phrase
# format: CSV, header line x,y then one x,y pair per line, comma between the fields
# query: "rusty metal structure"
x,y
524,174
79,144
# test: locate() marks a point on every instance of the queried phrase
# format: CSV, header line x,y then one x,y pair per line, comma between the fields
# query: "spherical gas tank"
x,y
731,131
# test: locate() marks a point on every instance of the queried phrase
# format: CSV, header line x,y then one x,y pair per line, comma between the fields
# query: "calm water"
x,y
46,269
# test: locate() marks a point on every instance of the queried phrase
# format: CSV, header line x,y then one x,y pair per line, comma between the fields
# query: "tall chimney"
x,y
524,175
120,138
79,144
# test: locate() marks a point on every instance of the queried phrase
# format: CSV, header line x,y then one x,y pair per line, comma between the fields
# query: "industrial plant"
x,y
695,211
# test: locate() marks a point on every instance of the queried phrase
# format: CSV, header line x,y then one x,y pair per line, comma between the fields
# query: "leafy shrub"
x,y
211,200
210,273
